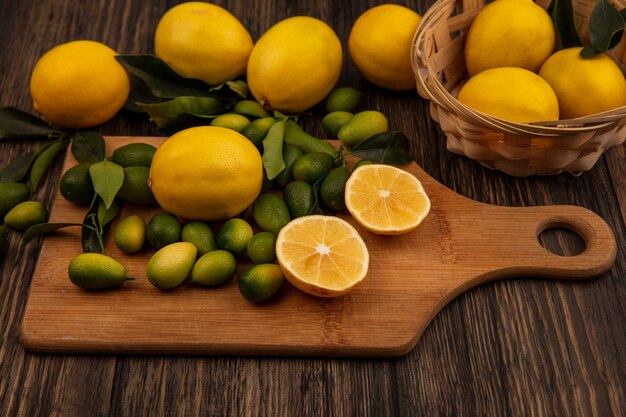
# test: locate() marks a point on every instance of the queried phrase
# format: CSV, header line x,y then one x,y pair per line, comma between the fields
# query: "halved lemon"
x,y
385,199
322,255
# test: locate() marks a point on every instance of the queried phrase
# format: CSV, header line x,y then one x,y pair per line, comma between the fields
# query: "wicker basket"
x,y
518,149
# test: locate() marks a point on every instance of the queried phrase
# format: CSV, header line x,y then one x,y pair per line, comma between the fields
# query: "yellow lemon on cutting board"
x,y
322,255
295,64
206,173
386,200
380,45
204,41
79,84
512,94
584,86
509,33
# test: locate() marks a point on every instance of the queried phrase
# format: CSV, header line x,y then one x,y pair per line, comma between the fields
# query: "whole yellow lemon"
x,y
206,173
204,41
79,84
295,64
512,94
509,33
380,45
584,86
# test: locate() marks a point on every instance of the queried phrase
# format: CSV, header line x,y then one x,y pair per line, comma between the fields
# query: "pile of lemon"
x,y
292,66
517,76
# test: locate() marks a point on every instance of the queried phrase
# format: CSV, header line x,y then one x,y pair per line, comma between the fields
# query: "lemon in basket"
x,y
584,86
509,33
512,94
380,45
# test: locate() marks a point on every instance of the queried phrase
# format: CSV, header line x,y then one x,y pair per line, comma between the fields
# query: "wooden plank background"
x,y
517,347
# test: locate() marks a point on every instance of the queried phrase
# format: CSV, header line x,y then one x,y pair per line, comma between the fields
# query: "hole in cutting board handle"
x,y
600,248
552,236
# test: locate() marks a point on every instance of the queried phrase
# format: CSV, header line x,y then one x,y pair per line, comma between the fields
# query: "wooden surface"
x,y
411,277
515,347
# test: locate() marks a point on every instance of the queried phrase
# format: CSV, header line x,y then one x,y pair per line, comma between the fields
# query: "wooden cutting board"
x,y
461,244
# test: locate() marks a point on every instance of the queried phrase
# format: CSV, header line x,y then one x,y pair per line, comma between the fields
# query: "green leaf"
x,y
43,161
184,121
17,168
107,178
106,215
90,236
387,148
606,26
318,208
88,146
15,124
273,150
240,87
166,114
562,14
139,93
589,52
43,228
162,80
230,91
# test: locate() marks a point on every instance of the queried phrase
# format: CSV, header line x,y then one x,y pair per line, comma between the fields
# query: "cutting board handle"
x,y
530,258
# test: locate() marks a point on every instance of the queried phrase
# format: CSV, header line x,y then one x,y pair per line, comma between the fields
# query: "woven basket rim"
x,y
429,85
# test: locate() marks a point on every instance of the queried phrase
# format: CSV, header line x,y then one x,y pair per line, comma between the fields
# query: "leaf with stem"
x,y
162,80
240,87
107,178
43,228
562,14
106,215
91,234
606,27
139,93
318,208
273,150
178,110
15,124
387,148
17,168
